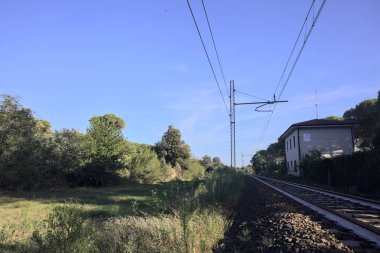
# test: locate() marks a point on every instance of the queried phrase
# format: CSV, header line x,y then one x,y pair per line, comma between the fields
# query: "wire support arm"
x,y
263,103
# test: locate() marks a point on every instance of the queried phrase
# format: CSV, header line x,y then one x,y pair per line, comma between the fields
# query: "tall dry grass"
x,y
198,233
190,217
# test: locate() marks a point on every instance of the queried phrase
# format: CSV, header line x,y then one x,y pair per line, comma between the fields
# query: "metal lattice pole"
x,y
232,123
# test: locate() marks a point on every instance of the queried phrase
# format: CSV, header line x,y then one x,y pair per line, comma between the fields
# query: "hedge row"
x,y
359,172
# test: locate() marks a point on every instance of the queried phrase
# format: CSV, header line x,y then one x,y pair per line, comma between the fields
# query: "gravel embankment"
x,y
266,221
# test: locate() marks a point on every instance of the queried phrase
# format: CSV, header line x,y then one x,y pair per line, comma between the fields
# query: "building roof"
x,y
318,123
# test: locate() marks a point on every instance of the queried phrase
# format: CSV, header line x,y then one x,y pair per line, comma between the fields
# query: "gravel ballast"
x,y
267,221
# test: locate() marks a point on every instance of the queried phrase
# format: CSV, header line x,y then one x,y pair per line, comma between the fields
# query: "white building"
x,y
330,137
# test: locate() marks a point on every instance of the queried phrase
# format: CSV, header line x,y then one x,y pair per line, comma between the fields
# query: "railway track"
x,y
361,216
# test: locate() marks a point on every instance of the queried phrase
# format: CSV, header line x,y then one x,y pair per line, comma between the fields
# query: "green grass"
x,y
142,211
23,212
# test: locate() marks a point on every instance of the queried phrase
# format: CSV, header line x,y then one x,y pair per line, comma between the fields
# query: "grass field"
x,y
23,212
177,216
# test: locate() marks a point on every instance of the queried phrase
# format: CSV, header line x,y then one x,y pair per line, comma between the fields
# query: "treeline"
x,y
270,161
365,114
34,156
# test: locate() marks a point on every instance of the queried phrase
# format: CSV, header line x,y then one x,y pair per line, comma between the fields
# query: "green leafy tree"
x,y
207,162
26,151
217,163
211,164
260,161
172,148
192,169
71,152
276,151
17,126
106,149
145,167
366,115
334,118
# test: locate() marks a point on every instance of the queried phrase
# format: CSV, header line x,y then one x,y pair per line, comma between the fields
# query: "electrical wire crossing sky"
x,y
144,62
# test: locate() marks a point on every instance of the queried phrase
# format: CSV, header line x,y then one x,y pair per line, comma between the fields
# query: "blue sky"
x,y
143,61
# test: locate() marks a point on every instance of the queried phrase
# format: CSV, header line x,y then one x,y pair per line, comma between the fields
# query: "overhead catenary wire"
x,y
303,46
216,51
208,58
296,60
247,94
295,44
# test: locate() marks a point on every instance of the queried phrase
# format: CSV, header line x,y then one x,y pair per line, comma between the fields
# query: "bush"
x,y
65,231
145,167
274,170
192,169
224,186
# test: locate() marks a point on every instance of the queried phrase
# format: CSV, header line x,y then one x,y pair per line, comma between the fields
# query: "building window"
x,y
291,163
294,141
286,145
290,142
295,165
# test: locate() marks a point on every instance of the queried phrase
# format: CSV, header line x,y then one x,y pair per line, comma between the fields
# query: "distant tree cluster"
x,y
270,161
367,115
34,156
211,163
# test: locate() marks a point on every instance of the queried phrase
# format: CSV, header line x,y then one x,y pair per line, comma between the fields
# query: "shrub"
x,y
145,167
224,186
65,231
274,170
192,169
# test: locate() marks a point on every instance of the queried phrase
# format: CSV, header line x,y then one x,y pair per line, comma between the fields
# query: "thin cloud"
x,y
182,68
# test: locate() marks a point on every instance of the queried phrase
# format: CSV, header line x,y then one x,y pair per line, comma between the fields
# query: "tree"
x,y
207,162
172,148
366,115
106,148
211,164
25,147
334,118
276,151
260,161
70,149
192,169
145,167
217,163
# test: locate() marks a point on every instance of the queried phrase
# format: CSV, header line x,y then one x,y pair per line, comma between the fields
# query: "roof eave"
x,y
289,130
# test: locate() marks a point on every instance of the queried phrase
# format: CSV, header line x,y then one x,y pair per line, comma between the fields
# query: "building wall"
x,y
292,155
331,141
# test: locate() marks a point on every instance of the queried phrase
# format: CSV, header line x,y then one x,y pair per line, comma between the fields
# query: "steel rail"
x,y
348,217
356,199
360,228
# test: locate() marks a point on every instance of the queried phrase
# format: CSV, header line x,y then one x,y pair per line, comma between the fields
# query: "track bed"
x,y
267,221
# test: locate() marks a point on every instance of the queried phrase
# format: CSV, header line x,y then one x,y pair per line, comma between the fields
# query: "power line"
x,y
208,58
250,95
216,51
296,60
232,117
294,46
303,46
